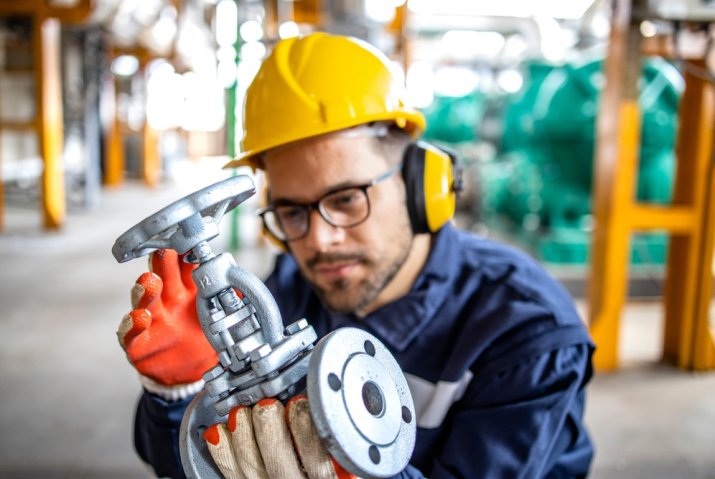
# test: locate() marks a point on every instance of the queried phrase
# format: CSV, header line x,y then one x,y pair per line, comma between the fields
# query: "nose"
x,y
322,236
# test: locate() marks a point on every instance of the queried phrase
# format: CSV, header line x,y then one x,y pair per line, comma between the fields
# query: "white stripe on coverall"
x,y
432,401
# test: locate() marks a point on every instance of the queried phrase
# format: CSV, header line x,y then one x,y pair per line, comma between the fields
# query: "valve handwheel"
x,y
211,203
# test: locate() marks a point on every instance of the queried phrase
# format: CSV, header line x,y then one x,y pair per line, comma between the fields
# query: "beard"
x,y
350,296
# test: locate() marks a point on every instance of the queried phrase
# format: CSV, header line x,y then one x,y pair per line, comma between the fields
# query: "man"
x,y
492,346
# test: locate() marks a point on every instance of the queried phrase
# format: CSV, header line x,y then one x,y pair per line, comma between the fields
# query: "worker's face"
x,y
347,267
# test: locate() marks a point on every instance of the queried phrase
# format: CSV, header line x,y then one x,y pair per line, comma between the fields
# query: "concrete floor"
x,y
67,394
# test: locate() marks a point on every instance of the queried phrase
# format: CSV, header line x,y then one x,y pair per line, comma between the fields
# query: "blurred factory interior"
x,y
586,126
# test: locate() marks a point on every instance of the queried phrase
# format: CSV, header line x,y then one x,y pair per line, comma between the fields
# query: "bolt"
x,y
261,352
216,315
297,326
213,373
223,395
224,358
237,364
230,300
203,251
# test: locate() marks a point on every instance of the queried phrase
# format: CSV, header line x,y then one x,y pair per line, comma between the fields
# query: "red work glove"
x,y
162,336
262,443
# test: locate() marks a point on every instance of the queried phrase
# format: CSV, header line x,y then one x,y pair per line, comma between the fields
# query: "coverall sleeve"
x,y
156,434
521,421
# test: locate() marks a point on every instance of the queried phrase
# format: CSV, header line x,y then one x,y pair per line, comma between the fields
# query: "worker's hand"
x,y
162,336
257,443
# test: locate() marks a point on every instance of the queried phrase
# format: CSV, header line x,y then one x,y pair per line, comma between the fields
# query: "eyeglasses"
x,y
343,207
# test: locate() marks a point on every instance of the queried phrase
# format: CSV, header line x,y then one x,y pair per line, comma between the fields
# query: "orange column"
x,y
114,145
49,118
151,163
703,357
617,151
2,205
689,278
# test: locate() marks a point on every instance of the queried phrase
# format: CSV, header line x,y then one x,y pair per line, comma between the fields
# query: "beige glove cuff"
x,y
171,393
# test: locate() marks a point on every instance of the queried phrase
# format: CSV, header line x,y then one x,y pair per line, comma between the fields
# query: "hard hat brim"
x,y
413,120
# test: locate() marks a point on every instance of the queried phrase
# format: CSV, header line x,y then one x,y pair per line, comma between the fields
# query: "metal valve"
x,y
366,423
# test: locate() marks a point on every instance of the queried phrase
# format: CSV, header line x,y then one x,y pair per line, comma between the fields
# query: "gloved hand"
x,y
162,336
257,444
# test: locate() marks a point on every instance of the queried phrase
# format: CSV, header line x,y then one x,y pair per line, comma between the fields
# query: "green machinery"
x,y
537,190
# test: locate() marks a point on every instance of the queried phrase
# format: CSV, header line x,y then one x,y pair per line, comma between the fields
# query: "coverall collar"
x,y
399,322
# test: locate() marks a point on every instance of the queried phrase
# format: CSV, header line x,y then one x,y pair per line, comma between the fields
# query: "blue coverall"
x,y
493,349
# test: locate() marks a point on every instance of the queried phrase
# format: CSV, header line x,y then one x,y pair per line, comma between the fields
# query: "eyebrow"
x,y
340,186
332,189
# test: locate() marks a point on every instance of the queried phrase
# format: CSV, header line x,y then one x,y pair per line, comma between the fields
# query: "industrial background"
x,y
586,126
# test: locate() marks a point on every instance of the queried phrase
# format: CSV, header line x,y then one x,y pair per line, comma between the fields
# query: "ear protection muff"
x,y
433,177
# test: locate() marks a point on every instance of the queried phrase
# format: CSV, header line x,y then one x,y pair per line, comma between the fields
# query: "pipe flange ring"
x,y
195,455
361,404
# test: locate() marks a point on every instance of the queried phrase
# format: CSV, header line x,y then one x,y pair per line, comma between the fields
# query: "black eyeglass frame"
x,y
316,205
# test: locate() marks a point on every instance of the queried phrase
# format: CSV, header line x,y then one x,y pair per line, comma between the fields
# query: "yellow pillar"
x,y
114,154
703,357
2,205
617,151
151,163
49,118
687,340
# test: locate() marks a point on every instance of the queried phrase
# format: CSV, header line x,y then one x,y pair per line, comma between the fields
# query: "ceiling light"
x,y
288,30
510,81
420,84
648,29
125,65
567,9
253,51
471,43
226,22
379,11
251,31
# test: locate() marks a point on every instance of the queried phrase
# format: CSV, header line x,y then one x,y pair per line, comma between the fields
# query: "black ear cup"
x,y
413,172
457,169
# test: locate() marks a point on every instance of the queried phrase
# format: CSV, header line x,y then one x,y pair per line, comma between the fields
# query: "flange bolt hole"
x,y
374,454
406,414
334,382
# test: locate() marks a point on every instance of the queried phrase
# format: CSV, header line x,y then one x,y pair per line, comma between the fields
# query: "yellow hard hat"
x,y
319,84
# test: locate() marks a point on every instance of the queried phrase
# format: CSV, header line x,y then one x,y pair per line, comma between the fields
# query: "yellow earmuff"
x,y
433,177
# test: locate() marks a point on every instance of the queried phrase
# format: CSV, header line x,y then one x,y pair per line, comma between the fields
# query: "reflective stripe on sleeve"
x,y
432,401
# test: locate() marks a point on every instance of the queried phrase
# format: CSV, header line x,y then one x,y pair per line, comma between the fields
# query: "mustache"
x,y
327,258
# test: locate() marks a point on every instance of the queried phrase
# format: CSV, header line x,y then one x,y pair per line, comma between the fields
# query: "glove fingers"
x,y
132,325
218,439
315,458
165,264
274,440
146,290
248,456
